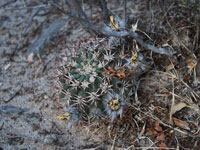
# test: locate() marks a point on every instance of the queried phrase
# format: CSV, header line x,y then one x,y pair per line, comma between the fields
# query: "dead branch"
x,y
124,15
35,12
9,110
80,10
107,31
105,11
65,2
7,3
46,35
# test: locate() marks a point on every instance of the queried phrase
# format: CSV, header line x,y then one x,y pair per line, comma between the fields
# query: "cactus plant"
x,y
97,76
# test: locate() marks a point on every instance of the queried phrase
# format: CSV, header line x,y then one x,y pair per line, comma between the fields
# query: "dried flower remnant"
x,y
70,116
114,104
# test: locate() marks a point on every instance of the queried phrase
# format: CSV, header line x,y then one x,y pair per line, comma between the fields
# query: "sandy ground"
x,y
28,113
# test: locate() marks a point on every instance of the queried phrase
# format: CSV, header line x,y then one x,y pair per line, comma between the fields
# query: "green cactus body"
x,y
90,75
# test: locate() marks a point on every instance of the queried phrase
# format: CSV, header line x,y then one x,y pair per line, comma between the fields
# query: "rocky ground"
x,y
28,110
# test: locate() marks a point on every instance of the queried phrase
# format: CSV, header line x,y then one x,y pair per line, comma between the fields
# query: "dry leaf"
x,y
121,74
170,67
181,123
106,72
157,126
154,132
7,66
161,137
111,69
114,24
178,107
191,64
163,145
30,57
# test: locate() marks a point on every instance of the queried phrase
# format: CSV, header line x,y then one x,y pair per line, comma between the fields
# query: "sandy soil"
x,y
27,104
27,113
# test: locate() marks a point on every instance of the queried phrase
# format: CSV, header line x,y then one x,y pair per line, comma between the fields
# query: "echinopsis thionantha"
x,y
96,77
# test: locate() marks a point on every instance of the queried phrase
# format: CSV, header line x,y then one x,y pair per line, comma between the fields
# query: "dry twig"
x,y
105,11
80,10
124,15
172,107
107,31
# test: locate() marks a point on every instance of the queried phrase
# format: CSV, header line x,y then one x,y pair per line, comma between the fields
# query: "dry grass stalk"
x,y
172,106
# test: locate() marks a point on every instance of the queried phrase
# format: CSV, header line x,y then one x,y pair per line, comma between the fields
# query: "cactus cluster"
x,y
97,80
